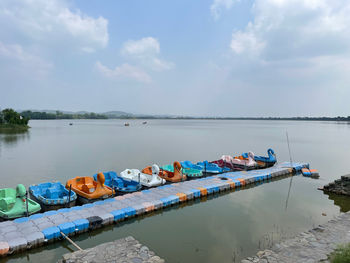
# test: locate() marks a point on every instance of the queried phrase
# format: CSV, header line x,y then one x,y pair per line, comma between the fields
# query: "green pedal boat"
x,y
13,203
189,172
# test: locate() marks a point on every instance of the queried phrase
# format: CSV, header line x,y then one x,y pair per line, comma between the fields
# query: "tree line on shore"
x,y
9,116
338,118
36,115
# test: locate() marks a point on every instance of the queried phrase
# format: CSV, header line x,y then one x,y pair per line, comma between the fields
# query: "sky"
x,y
199,58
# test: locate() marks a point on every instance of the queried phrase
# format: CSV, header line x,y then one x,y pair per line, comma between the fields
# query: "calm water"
x,y
224,228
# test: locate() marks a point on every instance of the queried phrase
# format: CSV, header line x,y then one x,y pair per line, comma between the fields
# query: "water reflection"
x,y
340,200
12,138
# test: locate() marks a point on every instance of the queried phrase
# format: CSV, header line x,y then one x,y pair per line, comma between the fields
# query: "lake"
x,y
223,228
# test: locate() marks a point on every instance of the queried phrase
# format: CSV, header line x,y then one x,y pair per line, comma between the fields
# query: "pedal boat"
x,y
118,184
89,190
52,195
148,180
189,172
226,166
14,203
262,161
244,164
212,168
171,176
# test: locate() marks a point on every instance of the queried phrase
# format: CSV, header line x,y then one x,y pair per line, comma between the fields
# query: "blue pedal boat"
x,y
52,195
119,184
262,161
212,168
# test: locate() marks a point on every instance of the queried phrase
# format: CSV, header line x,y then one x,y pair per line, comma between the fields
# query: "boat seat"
x,y
6,203
88,188
52,193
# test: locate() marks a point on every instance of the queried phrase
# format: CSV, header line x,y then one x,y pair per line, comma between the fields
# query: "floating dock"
x,y
38,229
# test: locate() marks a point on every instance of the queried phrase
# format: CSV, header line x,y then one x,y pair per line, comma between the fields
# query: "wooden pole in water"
x,y
114,188
71,241
27,212
69,193
291,164
290,155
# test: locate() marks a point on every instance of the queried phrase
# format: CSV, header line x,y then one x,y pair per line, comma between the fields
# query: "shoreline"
x,y
210,119
13,128
314,245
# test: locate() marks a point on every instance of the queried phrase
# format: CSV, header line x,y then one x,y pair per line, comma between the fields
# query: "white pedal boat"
x,y
148,180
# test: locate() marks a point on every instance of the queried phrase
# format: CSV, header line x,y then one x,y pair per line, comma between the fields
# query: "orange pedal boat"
x,y
89,190
174,177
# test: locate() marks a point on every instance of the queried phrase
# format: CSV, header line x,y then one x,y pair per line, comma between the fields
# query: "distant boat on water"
x,y
145,122
126,124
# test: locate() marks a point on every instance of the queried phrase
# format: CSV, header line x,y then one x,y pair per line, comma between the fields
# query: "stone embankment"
x,y
311,246
122,250
340,186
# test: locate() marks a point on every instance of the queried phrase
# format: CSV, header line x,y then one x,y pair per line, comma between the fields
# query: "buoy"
x,y
310,173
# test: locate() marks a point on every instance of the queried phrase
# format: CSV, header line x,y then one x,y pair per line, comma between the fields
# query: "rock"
x,y
260,253
127,250
340,186
311,246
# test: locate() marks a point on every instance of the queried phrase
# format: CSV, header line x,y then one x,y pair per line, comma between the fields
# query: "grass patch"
x,y
13,128
341,254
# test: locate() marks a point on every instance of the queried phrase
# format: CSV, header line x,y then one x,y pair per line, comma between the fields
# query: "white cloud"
x,y
217,6
52,21
146,52
144,46
291,47
23,59
295,29
125,71
246,41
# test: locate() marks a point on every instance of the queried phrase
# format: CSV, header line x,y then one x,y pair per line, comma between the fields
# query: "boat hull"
x,y
81,200
45,207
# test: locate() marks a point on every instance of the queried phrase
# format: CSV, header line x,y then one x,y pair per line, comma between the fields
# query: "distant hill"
x,y
128,115
117,114
54,111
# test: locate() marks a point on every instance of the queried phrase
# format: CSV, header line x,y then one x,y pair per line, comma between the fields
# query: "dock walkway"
x,y
38,229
